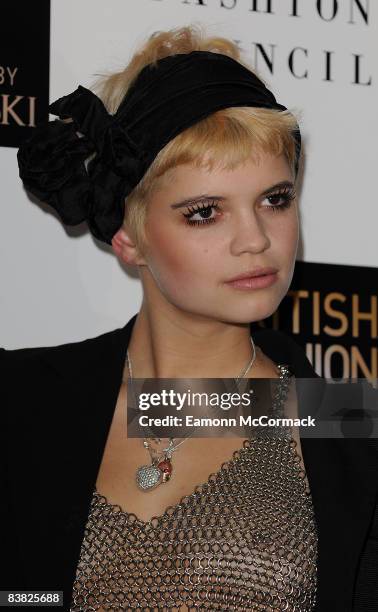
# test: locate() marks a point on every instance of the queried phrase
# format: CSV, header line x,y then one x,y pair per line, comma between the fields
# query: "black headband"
x,y
166,98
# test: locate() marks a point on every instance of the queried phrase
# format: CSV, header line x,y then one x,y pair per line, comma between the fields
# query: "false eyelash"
x,y
288,194
191,211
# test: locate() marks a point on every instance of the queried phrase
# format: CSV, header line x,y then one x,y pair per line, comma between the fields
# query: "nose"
x,y
248,233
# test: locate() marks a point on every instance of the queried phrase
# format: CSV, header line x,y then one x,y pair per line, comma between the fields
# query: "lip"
x,y
253,282
253,273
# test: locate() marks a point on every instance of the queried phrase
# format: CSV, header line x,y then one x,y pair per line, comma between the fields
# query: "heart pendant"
x,y
148,477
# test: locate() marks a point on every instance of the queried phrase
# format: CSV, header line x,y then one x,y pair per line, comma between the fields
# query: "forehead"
x,y
255,173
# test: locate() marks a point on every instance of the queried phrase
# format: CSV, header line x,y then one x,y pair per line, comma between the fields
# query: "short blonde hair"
x,y
224,139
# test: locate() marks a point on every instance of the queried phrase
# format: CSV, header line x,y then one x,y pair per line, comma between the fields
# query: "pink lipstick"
x,y
257,278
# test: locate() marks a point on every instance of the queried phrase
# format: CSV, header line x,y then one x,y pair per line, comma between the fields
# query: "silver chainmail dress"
x,y
244,540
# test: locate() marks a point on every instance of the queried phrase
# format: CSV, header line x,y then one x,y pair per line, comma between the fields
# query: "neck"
x,y
173,344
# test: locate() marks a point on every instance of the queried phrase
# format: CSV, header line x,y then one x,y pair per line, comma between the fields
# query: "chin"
x,y
256,310
229,311
245,316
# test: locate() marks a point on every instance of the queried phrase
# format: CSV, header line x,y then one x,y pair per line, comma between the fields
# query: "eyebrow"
x,y
206,196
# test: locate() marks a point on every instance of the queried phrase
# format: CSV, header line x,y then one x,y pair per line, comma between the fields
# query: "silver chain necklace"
x,y
148,477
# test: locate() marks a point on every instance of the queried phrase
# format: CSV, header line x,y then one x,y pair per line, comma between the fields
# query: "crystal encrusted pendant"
x,y
148,477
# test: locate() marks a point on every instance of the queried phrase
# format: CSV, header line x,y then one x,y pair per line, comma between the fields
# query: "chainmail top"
x,y
244,540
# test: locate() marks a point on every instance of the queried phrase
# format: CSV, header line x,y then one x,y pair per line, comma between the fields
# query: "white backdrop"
x,y
59,285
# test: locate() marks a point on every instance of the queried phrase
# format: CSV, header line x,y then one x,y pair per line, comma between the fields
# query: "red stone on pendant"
x,y
166,467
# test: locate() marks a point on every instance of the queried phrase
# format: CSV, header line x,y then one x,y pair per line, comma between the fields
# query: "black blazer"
x,y
59,405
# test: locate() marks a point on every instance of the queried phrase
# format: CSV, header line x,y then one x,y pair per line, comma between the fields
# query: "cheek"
x,y
284,235
293,233
179,257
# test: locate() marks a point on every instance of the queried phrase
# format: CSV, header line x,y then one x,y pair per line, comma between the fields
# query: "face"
x,y
236,220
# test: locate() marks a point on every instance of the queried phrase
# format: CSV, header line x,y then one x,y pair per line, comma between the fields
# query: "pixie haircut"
x,y
222,140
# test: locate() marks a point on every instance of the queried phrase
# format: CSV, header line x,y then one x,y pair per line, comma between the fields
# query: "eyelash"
x,y
288,196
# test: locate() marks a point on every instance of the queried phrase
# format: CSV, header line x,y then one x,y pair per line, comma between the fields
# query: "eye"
x,y
203,214
285,196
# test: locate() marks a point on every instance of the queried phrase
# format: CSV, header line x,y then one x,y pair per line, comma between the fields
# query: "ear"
x,y
126,249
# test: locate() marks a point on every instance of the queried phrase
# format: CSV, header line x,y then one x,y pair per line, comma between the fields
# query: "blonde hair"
x,y
224,139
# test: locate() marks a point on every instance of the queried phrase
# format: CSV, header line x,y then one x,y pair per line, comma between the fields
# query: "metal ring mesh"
x,y
245,540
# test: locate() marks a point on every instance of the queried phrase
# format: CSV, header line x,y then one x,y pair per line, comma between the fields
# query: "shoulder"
x,y
59,356
59,379
283,348
80,362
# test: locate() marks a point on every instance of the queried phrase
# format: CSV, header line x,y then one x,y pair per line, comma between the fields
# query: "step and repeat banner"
x,y
58,284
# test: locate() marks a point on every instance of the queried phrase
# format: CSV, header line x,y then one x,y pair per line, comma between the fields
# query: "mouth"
x,y
256,280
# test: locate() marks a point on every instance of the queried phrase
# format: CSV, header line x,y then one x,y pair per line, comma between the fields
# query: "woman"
x,y
207,160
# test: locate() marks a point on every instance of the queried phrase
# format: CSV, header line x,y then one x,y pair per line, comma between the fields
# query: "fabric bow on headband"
x,y
166,98
52,164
